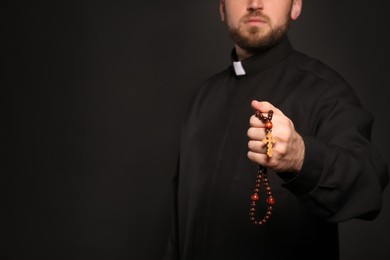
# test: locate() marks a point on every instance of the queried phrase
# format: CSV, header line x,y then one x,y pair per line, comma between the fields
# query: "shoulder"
x,y
213,82
313,67
204,89
318,77
218,77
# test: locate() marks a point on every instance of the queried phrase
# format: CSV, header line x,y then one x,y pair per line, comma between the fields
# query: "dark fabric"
x,y
342,177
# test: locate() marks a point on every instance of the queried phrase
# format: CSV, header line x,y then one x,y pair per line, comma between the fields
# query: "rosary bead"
x,y
268,125
255,197
270,114
271,201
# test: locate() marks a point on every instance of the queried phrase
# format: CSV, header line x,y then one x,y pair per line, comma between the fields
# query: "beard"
x,y
255,39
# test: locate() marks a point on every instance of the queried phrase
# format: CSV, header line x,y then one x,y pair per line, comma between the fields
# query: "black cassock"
x,y
342,177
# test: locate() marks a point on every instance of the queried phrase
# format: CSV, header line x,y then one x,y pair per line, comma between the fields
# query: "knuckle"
x,y
272,163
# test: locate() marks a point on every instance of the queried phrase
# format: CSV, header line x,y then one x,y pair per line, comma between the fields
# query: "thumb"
x,y
262,106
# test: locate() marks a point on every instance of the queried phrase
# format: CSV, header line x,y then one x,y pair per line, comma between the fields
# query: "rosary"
x,y
262,175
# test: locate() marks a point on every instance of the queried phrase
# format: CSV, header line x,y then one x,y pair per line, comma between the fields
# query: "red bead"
x,y
268,125
271,201
255,196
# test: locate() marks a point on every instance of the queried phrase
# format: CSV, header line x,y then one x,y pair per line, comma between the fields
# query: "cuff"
x,y
312,168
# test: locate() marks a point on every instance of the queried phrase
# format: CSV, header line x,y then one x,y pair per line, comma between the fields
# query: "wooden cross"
x,y
269,141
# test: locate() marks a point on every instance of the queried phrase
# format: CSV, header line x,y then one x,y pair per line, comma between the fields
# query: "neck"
x,y
242,54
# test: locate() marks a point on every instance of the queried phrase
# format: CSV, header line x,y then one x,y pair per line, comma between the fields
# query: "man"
x,y
310,163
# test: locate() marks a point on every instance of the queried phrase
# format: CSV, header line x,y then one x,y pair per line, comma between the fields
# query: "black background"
x,y
93,94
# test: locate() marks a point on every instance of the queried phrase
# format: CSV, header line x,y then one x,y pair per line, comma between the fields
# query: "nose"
x,y
255,5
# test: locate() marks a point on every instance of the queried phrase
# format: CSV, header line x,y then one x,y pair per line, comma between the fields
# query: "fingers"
x,y
257,146
254,121
264,107
256,142
256,133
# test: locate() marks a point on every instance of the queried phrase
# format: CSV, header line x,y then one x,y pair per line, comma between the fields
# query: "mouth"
x,y
255,20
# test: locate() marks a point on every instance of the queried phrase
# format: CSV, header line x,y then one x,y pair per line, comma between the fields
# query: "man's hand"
x,y
289,149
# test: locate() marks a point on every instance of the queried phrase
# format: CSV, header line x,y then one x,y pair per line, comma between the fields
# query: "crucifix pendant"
x,y
270,142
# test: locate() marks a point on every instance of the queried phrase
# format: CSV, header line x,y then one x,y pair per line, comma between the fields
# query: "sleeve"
x,y
343,175
172,249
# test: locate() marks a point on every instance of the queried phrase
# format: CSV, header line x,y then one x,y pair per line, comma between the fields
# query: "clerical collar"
x,y
260,61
